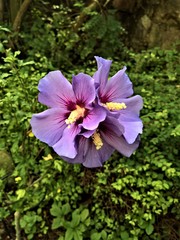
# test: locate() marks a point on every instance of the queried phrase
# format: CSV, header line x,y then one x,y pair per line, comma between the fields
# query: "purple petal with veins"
x,y
49,125
55,90
84,89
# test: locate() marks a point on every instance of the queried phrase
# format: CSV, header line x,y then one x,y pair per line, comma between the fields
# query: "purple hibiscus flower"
x,y
114,95
88,120
71,108
96,146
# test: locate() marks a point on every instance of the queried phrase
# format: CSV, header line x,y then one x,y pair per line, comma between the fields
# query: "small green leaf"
x,y
87,221
58,165
75,219
61,238
149,229
4,29
5,75
20,193
124,235
104,235
66,209
57,222
95,236
77,235
55,210
84,214
69,234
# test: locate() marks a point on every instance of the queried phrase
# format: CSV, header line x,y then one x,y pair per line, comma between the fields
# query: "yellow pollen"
x,y
75,115
97,140
115,106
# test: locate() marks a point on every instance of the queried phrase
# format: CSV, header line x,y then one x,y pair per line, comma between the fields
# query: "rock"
x,y
6,163
124,5
150,23
146,22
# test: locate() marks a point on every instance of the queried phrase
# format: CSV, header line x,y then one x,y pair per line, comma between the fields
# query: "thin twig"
x,y
80,19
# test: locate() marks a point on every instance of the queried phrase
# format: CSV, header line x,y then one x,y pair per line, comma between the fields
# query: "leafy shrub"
x,y
134,198
54,34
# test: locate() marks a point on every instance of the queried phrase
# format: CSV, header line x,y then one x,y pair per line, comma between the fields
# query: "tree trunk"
x,y
14,8
19,16
1,11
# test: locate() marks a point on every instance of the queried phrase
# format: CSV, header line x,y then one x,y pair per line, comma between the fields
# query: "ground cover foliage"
x,y
43,197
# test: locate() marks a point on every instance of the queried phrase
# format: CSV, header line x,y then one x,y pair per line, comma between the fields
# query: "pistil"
x,y
115,106
75,115
97,140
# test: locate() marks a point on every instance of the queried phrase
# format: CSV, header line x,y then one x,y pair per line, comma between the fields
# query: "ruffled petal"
x,y
119,86
87,133
111,125
49,125
95,158
88,155
66,146
101,75
132,125
55,90
120,144
84,88
94,117
82,144
133,105
112,133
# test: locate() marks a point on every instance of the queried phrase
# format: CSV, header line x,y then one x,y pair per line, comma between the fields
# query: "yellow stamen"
x,y
97,140
75,115
115,106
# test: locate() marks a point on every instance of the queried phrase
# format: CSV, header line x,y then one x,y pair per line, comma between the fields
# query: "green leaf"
x,y
95,236
87,221
84,214
124,235
20,193
104,235
61,238
75,219
4,29
66,209
149,229
77,235
55,210
58,165
57,222
5,75
69,234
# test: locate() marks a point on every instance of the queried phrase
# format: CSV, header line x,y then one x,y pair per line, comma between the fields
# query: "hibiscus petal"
x,y
133,105
120,144
119,86
66,146
101,75
88,155
49,125
111,132
88,133
94,117
82,144
132,126
55,90
111,125
95,158
84,89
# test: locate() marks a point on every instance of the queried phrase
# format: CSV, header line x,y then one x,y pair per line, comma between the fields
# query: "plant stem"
x,y
17,225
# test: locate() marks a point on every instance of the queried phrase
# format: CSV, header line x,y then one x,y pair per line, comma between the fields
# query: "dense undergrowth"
x,y
127,199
